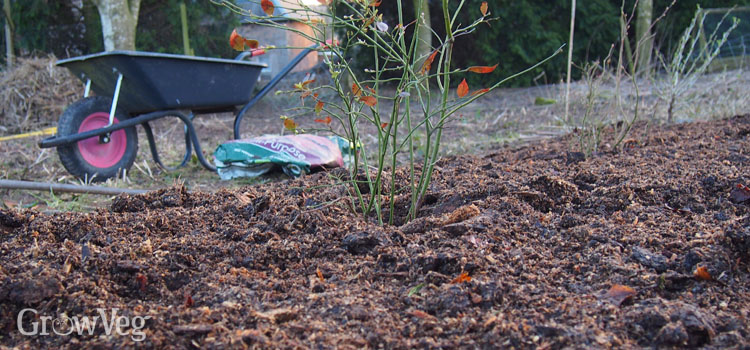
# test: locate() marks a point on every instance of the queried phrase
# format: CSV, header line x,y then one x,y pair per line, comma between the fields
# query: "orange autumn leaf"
x,y
238,43
375,3
319,107
428,62
305,94
252,44
369,100
324,2
619,293
483,8
327,120
463,89
478,92
289,124
267,7
463,277
702,274
320,275
304,84
370,89
356,90
382,126
482,69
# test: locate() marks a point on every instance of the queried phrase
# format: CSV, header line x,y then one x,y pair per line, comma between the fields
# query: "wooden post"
x,y
9,56
570,58
185,37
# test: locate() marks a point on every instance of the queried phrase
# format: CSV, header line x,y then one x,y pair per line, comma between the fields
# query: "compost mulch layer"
x,y
530,247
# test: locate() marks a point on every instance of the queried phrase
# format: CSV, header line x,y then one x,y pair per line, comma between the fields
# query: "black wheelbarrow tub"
x,y
156,81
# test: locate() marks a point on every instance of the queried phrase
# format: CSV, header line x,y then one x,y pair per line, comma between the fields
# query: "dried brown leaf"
x,y
421,314
618,294
320,275
279,315
483,8
701,273
463,277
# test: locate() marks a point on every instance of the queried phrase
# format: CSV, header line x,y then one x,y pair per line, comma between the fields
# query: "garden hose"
x,y
43,132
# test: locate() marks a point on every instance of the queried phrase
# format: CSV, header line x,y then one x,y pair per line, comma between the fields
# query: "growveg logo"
x,y
30,323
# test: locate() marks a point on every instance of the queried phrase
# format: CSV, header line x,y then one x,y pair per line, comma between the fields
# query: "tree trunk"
x,y
9,56
119,19
424,42
645,43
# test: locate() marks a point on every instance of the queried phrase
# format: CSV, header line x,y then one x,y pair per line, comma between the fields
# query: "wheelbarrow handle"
x,y
251,53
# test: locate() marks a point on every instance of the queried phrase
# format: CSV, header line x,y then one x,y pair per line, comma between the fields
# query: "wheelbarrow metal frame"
x,y
191,138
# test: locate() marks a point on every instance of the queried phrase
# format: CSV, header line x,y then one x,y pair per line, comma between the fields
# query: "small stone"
x,y
649,259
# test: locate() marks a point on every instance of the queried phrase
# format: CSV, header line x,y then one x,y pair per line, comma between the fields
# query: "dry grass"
x,y
714,96
34,93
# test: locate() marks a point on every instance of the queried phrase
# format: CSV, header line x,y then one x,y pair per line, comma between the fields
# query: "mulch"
x,y
530,247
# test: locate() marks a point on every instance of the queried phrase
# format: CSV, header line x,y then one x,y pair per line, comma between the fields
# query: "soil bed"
x,y
646,247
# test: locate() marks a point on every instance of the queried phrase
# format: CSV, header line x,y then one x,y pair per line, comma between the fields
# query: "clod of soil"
x,y
528,247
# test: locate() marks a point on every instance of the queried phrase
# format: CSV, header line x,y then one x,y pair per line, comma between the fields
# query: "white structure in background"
x,y
267,36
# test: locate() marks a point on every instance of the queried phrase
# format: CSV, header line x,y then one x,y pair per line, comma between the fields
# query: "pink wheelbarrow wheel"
x,y
101,157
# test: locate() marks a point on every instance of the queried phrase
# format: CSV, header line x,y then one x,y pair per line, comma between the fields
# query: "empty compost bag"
x,y
294,154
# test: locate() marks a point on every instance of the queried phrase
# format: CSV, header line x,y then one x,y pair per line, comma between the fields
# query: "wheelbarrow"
x,y
96,137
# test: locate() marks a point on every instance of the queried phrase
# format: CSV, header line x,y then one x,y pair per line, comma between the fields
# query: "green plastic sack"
x,y
293,154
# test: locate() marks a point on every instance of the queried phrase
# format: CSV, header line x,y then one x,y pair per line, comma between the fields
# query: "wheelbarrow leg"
x,y
266,89
191,142
196,144
155,153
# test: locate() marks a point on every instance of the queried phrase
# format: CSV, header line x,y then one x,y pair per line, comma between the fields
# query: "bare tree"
x,y
119,19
